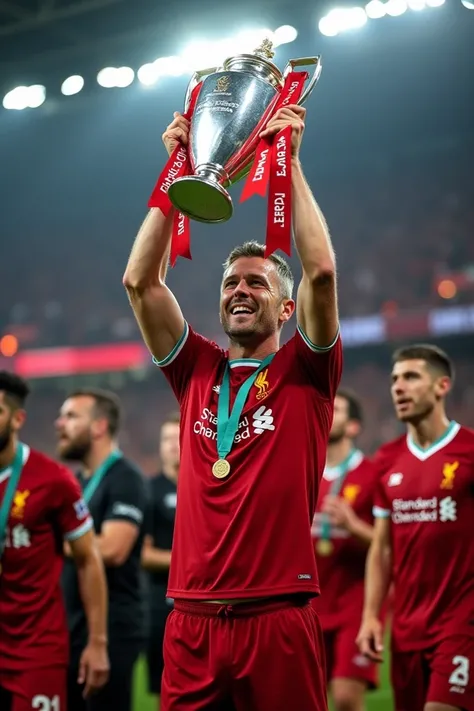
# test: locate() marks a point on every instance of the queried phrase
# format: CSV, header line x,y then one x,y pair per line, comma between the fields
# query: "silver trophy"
x,y
233,106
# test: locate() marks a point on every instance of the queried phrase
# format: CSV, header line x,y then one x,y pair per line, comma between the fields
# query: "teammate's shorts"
x,y
343,658
34,689
154,648
265,656
442,674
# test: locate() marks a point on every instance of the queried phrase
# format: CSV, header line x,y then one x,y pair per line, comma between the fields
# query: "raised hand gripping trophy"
x,y
228,107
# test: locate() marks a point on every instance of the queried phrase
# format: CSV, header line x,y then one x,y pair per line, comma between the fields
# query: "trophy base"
x,y
201,198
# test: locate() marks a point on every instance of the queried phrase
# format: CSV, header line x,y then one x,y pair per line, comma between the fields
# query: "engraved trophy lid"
x,y
259,62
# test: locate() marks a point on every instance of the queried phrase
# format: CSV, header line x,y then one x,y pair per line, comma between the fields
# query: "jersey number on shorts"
x,y
460,675
43,703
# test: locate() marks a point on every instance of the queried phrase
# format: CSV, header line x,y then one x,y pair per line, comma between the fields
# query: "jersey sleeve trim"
x,y
80,531
312,346
176,350
379,512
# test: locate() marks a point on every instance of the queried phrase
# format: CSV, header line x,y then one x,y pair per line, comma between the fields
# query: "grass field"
x,y
379,700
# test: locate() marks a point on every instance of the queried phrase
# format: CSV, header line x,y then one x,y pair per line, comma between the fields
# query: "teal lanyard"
x,y
342,470
228,420
11,487
99,474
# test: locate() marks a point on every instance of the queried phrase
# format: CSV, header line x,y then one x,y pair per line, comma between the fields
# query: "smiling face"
x,y
251,306
416,389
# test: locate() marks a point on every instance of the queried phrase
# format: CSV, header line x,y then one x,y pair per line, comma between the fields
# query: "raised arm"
x,y
156,309
317,299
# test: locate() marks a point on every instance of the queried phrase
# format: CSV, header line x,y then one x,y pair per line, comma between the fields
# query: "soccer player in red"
x,y
40,506
423,541
255,420
343,528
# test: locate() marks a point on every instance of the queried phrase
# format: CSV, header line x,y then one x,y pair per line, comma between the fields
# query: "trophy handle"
x,y
194,81
305,62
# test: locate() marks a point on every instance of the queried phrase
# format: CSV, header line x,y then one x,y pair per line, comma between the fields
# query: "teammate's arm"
x,y
377,582
155,558
156,309
116,541
94,664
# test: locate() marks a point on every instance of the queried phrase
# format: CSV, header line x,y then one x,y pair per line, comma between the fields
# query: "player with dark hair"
x,y
40,505
87,430
343,529
423,541
156,553
255,420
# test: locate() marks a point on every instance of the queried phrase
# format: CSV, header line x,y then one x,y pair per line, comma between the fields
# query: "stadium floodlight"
x,y
72,85
435,3
468,4
248,40
25,97
106,77
36,96
342,20
170,66
147,74
416,4
124,76
395,8
284,35
375,9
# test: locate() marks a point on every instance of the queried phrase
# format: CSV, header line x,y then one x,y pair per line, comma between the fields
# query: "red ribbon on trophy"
x,y
177,166
272,167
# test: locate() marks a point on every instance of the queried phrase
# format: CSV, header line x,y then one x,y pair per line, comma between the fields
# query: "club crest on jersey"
x,y
262,384
351,492
19,504
449,472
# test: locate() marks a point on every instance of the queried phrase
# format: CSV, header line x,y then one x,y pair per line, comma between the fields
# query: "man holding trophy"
x,y
255,419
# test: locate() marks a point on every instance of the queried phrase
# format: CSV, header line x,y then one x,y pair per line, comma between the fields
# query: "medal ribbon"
x,y
10,490
272,166
342,470
177,166
99,474
228,420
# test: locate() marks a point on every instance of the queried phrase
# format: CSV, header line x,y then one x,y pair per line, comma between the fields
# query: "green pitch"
x,y
377,701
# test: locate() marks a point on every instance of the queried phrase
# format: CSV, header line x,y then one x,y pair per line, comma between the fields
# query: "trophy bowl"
x,y
234,104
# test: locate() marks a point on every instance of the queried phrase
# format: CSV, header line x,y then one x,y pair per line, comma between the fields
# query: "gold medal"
x,y
324,547
221,468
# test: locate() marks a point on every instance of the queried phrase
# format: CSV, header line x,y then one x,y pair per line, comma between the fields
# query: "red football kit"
x,y
429,497
34,641
248,535
341,568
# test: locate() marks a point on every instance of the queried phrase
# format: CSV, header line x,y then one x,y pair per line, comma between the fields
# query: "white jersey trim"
x,y
5,473
176,350
333,473
423,454
80,530
379,512
312,346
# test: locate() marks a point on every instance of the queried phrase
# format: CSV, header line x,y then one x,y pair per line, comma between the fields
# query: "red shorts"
x,y
40,689
265,656
343,658
442,674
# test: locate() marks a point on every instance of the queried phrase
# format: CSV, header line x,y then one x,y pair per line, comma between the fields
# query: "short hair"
x,y
15,388
354,405
106,405
435,358
172,418
255,249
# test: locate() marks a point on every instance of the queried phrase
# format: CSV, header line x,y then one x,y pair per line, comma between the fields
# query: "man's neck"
x,y
257,351
97,456
430,429
7,455
170,472
338,452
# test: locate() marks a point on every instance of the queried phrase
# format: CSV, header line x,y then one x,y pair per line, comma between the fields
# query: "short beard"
x,y
336,437
6,436
76,452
